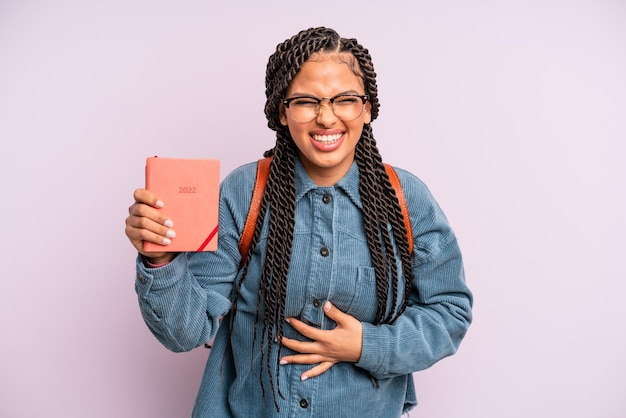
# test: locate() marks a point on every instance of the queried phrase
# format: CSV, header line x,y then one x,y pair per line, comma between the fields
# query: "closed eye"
x,y
304,102
346,100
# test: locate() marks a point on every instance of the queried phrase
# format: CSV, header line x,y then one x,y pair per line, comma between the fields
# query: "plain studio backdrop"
x,y
513,112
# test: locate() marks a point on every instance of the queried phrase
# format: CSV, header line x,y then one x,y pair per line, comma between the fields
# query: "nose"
x,y
326,114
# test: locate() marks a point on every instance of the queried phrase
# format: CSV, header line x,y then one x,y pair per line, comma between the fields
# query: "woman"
x,y
331,310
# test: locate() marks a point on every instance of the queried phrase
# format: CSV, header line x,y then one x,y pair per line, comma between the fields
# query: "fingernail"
x,y
304,377
160,203
287,320
166,241
283,362
171,234
327,306
168,223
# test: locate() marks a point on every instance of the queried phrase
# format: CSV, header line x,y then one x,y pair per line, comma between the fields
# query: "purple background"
x,y
513,112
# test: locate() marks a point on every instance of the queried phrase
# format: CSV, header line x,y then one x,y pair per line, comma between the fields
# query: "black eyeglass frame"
x,y
363,97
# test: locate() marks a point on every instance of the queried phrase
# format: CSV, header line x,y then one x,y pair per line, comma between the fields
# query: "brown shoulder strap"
x,y
263,172
395,182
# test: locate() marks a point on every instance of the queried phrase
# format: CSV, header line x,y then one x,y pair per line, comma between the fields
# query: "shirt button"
x,y
317,303
324,251
142,279
326,198
304,403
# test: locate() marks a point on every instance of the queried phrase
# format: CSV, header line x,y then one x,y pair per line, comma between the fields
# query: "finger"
x,y
317,370
308,331
335,314
147,197
141,234
144,227
305,347
303,359
143,210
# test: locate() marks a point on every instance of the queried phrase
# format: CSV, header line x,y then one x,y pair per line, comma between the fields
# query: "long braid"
x,y
279,196
384,202
369,185
381,209
387,213
281,192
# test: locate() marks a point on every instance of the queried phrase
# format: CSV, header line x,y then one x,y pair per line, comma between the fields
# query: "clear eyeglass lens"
x,y
346,108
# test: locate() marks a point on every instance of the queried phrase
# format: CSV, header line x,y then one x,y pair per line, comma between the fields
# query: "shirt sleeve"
x,y
439,311
180,303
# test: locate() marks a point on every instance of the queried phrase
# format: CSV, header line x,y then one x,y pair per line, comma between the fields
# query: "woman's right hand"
x,y
146,222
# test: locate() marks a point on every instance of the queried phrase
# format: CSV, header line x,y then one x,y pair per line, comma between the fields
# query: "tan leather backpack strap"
x,y
262,173
395,182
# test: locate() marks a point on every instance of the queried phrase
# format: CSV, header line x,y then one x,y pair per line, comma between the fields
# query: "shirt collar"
x,y
348,183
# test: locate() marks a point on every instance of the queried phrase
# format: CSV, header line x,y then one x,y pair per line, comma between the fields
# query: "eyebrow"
x,y
299,94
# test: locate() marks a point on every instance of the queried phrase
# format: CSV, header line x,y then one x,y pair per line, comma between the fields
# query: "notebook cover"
x,y
190,190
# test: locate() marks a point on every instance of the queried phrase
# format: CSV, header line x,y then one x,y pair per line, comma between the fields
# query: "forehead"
x,y
339,57
326,76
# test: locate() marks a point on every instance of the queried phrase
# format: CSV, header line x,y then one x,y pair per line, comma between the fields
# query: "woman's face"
x,y
326,144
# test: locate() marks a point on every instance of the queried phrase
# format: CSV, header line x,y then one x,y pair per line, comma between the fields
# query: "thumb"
x,y
332,312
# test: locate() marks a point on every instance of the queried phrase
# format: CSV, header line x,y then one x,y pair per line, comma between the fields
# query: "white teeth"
x,y
327,138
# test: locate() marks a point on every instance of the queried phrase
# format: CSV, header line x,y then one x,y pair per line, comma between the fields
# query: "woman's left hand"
x,y
343,343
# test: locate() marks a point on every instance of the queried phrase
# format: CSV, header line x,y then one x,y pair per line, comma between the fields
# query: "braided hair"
x,y
383,219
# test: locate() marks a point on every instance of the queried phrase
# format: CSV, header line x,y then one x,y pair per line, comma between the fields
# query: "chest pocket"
x,y
353,283
361,302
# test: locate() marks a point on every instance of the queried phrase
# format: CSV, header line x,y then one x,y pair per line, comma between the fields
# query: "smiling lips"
x,y
327,139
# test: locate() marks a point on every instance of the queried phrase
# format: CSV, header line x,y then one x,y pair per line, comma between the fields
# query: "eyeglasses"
x,y
346,107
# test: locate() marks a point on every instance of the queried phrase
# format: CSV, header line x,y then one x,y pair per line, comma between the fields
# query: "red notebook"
x,y
190,190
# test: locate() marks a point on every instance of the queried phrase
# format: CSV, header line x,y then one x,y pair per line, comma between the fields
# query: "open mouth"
x,y
327,139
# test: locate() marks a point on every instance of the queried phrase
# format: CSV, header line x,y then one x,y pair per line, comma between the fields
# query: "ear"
x,y
282,115
367,117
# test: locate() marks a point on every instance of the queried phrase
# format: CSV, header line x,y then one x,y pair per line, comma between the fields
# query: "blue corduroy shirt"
x,y
183,302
